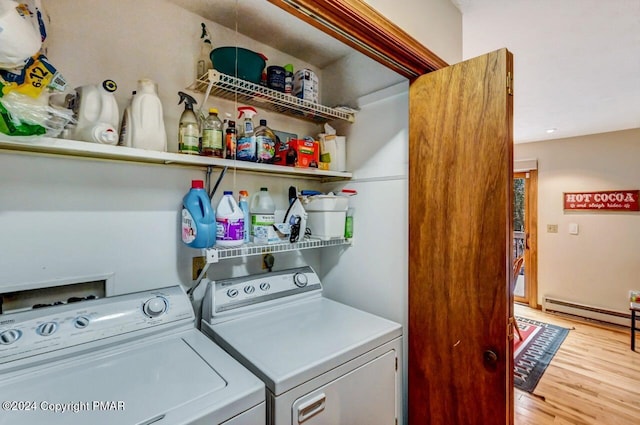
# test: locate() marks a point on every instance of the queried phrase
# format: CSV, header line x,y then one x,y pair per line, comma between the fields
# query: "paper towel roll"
x,y
341,153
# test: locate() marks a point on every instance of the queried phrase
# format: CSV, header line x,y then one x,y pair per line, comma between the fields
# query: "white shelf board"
x,y
49,145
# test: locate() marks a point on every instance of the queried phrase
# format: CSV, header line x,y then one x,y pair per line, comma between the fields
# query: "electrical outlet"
x,y
267,261
196,266
552,228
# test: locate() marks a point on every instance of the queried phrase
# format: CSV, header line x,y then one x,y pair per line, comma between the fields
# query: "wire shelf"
x,y
213,255
228,87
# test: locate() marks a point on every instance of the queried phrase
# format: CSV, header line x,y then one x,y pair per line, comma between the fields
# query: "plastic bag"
x,y
23,115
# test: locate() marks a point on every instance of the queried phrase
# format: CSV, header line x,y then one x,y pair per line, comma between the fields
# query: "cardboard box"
x,y
305,153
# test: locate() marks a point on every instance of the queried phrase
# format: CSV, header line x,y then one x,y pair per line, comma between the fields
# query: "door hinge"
x,y
509,83
396,363
510,328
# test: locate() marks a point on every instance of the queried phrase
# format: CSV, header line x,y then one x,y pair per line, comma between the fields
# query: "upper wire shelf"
x,y
231,88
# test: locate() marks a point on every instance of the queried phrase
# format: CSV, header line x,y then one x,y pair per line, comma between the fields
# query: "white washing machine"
x,y
134,359
323,362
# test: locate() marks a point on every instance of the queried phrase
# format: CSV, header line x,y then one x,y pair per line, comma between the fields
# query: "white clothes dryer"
x,y
323,362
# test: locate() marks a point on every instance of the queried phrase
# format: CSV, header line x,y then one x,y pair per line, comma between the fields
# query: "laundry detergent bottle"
x,y
198,219
262,210
229,221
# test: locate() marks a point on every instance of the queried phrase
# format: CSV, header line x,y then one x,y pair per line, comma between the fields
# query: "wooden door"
x,y
460,236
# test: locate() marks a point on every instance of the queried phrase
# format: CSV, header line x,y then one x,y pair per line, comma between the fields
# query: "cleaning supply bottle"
x,y
198,218
203,64
124,138
243,203
147,122
212,135
229,222
265,143
230,140
263,211
188,127
246,145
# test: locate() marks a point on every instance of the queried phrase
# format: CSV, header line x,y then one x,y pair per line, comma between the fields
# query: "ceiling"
x,y
576,62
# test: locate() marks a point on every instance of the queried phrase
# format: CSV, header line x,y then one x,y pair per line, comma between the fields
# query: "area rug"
x,y
533,354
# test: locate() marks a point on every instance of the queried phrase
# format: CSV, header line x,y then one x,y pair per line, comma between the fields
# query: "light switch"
x,y
552,228
573,228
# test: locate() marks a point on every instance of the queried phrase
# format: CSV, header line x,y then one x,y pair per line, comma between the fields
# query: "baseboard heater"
x,y
596,314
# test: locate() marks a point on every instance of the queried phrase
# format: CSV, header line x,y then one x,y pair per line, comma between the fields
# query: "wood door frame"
x,y
531,237
360,26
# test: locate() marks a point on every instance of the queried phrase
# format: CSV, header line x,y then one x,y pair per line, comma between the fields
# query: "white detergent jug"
x,y
146,125
96,112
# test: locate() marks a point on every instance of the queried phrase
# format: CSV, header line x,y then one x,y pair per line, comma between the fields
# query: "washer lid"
x,y
175,379
291,345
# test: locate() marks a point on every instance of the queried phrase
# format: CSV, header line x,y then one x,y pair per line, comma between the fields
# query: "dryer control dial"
x,y
155,306
300,279
10,336
81,322
47,329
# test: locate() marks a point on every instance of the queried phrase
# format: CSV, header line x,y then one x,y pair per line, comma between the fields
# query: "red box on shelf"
x,y
306,153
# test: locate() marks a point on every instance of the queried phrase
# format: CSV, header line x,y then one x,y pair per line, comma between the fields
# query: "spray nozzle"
x,y
247,111
188,100
205,34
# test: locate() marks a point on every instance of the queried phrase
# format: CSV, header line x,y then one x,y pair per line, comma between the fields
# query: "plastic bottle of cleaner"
x,y
229,221
230,140
147,122
124,138
243,203
263,218
212,135
96,111
204,63
198,219
188,127
246,145
265,143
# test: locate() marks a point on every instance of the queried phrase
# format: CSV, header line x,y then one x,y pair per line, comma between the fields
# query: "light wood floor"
x,y
594,378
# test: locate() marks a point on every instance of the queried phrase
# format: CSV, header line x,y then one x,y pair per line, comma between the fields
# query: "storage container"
x,y
326,215
249,64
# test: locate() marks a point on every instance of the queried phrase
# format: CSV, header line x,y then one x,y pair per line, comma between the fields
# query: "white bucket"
x,y
326,216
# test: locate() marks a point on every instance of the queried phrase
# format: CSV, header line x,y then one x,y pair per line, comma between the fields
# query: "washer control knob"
x,y
47,329
81,322
265,286
249,289
155,306
10,336
232,293
300,279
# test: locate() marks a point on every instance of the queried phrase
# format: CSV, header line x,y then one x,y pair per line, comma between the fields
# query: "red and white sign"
x,y
611,200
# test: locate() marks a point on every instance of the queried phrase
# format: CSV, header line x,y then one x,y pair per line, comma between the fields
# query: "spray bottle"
x,y
204,63
246,144
188,127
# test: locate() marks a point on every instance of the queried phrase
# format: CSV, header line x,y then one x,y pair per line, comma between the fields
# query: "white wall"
x,y
71,218
601,264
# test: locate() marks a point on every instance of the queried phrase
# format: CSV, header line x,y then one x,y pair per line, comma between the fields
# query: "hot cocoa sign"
x,y
612,200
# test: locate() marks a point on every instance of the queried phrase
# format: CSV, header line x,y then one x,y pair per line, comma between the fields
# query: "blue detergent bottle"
x,y
198,219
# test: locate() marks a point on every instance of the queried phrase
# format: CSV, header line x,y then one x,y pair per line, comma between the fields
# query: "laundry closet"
x,y
95,221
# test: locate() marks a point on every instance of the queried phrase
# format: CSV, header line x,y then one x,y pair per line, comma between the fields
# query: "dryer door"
x,y
366,395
